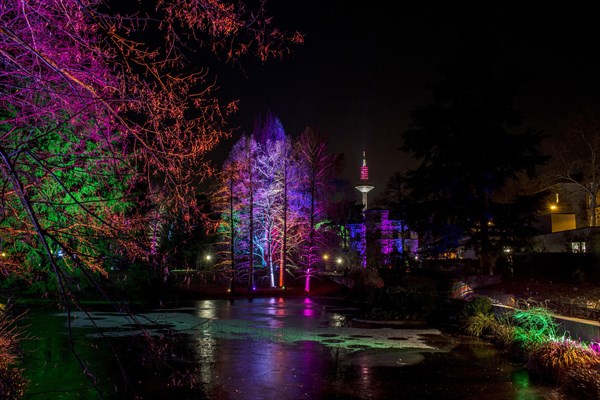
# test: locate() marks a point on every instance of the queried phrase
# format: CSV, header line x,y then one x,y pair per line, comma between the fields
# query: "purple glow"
x,y
364,173
307,284
379,238
308,310
271,208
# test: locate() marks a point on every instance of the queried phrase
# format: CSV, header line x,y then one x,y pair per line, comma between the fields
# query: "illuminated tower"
x,y
364,187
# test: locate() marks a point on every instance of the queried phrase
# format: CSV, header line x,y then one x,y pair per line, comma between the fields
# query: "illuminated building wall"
x,y
381,241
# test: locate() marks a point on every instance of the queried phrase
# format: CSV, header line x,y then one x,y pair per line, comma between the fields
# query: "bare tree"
x,y
575,157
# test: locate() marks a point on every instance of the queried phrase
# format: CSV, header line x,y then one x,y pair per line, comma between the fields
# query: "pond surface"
x,y
272,348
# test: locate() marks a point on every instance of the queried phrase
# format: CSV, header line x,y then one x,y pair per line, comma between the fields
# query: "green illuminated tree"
x,y
80,206
140,121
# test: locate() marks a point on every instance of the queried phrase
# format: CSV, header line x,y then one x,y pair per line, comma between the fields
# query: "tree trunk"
x,y
284,236
251,216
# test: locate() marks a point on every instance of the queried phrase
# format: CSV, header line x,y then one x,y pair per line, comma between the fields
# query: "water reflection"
x,y
288,349
206,309
308,308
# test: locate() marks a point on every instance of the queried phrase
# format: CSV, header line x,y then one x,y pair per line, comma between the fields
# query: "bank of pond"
x,y
268,348
413,340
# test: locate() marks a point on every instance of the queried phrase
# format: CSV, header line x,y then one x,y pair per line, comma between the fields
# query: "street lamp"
x,y
326,260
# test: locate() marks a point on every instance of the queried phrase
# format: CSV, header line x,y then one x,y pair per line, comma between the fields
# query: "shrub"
x,y
479,324
582,383
479,305
595,346
502,333
552,360
12,383
534,326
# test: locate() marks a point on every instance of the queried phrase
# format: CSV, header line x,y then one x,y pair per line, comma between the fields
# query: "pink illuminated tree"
x,y
108,111
290,188
117,85
317,171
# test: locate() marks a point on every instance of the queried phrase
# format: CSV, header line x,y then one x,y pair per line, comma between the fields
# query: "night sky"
x,y
364,68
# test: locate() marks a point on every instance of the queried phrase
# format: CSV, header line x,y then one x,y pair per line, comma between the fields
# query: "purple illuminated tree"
x,y
118,79
317,171
285,211
271,144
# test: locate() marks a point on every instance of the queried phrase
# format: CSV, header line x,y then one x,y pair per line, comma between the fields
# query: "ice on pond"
x,y
349,338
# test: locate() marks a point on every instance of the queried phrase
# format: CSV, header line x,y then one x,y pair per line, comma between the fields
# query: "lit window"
x,y
578,247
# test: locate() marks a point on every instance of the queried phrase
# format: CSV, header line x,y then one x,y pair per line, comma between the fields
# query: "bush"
x,y
582,383
12,383
479,305
534,326
502,334
552,360
479,324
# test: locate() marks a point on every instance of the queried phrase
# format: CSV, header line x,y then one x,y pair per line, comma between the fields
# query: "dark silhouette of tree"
x,y
575,157
316,182
469,146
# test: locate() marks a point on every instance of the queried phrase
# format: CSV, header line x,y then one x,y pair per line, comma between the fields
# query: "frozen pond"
x,y
270,348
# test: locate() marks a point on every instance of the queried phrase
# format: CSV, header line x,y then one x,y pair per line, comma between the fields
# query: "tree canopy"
x,y
470,144
272,195
102,108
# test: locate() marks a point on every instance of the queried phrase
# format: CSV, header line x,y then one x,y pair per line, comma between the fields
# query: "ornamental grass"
x,y
12,383
582,383
534,327
552,360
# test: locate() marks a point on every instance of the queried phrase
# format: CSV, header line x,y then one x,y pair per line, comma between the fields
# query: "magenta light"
x,y
364,173
307,284
308,310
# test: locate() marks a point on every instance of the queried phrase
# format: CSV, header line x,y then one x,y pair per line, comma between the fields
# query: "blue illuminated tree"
x,y
272,199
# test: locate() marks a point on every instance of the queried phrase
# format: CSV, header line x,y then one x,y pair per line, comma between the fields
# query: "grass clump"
x,y
534,327
531,334
582,383
553,359
12,382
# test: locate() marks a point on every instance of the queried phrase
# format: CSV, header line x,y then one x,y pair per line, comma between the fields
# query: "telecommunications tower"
x,y
364,187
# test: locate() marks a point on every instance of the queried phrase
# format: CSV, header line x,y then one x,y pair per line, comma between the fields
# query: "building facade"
x,y
382,242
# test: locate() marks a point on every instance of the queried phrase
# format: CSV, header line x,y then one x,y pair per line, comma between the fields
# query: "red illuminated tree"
x,y
316,181
119,80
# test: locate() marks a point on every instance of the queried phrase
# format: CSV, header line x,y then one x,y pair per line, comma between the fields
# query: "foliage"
x,y
531,334
534,326
582,383
479,324
271,196
79,205
478,305
101,109
502,333
552,359
595,346
470,146
12,383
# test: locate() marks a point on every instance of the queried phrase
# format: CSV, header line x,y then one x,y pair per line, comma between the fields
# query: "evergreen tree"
x,y
469,146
